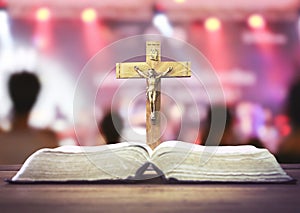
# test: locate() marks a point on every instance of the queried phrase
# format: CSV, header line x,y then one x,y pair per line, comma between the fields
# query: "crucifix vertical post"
x,y
153,128
153,70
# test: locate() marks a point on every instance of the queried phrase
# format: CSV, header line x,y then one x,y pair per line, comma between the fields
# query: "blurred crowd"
x,y
245,123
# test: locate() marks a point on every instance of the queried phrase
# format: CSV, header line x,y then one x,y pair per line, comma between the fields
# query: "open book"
x,y
175,161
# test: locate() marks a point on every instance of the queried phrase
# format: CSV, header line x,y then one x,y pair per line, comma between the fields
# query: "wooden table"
x,y
149,197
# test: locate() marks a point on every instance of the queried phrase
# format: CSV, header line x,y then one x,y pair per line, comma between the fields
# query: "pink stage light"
x,y
212,24
43,14
88,15
42,36
256,21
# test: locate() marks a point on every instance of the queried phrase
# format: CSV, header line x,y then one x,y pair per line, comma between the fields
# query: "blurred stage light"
x,y
256,21
3,5
3,18
161,22
88,15
179,1
43,14
212,24
5,34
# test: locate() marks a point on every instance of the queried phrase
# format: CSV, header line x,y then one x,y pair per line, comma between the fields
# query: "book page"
x,y
69,163
78,149
191,162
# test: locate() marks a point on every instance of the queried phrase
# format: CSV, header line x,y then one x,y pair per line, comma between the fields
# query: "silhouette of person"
x,y
22,140
111,127
255,141
228,137
289,149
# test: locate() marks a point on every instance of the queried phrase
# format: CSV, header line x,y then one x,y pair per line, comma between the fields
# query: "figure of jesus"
x,y
152,80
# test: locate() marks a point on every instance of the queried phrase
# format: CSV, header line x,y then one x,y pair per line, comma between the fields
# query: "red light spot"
x,y
282,124
286,130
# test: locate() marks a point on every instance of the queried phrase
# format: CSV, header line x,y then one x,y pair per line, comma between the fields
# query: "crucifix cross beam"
x,y
153,70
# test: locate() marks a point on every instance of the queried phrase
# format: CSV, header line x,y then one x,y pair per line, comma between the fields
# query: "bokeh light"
x,y
256,21
212,24
88,15
43,14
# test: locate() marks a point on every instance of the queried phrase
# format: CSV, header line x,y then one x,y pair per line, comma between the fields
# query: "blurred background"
x,y
252,45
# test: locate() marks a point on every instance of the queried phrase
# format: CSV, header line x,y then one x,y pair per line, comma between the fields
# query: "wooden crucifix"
x,y
153,70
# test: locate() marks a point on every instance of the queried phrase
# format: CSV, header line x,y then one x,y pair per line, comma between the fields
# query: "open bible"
x,y
173,161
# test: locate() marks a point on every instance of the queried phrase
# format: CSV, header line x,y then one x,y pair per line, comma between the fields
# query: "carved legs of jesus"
x,y
152,99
